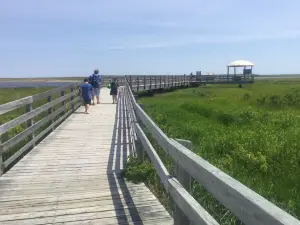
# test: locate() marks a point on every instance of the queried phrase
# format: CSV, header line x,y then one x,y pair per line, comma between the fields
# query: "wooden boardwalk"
x,y
71,177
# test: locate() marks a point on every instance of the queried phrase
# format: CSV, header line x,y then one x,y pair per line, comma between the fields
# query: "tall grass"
x,y
251,133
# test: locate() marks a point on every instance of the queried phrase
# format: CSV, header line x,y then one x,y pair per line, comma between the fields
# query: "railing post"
x,y
1,161
30,122
72,98
160,81
138,83
130,84
78,95
50,110
138,144
63,102
139,150
186,181
167,81
172,81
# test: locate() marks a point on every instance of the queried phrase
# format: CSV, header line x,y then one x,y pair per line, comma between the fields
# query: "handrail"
x,y
247,205
23,118
7,107
143,83
54,117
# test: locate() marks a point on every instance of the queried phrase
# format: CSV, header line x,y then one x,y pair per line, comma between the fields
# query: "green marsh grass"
x,y
251,133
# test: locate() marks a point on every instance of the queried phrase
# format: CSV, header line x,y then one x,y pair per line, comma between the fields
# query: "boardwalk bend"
x,y
64,168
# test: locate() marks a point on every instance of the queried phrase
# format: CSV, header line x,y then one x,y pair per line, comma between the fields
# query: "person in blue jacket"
x,y
95,80
86,90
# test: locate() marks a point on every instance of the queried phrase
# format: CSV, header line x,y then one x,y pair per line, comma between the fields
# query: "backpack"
x,y
94,81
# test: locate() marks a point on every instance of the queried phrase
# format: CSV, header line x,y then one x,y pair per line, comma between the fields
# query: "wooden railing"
x,y
142,83
248,206
70,101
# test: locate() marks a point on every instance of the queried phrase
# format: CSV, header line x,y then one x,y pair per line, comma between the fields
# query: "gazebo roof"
x,y
240,63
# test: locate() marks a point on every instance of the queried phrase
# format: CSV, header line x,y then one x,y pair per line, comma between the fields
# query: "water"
x,y
32,84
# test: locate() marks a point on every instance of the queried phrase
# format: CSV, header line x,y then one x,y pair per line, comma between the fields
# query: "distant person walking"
x,y
114,86
86,91
95,81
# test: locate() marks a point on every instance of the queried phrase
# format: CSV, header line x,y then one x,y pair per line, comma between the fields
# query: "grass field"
x,y
251,133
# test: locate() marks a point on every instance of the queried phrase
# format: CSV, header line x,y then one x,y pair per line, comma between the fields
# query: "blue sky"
x,y
72,37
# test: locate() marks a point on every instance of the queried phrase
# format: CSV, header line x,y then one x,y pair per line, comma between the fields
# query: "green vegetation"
x,y
12,94
251,133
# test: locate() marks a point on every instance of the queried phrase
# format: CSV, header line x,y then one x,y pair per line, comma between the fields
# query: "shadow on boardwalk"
x,y
125,207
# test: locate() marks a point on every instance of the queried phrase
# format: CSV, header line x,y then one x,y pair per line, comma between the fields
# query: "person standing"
x,y
95,81
114,86
86,90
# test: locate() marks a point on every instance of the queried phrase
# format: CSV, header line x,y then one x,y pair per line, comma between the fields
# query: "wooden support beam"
x,y
185,180
1,155
72,98
30,123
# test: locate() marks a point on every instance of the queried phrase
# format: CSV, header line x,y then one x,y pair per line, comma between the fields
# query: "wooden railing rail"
x,y
153,82
142,83
69,101
247,205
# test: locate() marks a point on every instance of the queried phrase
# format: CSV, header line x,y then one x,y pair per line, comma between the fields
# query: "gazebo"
x,y
241,63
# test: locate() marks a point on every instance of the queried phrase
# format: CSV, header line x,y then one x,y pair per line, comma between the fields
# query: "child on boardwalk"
x,y
86,90
114,90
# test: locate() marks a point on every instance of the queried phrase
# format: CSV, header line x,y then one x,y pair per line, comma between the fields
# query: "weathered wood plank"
x,y
118,216
150,221
73,204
